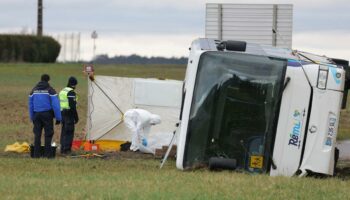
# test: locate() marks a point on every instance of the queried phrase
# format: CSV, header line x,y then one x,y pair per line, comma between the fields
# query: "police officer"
x,y
43,107
68,102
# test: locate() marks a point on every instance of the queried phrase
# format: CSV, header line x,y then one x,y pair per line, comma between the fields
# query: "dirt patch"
x,y
129,155
123,155
343,170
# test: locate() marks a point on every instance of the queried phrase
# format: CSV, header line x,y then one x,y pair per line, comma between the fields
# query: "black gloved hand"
x,y
57,122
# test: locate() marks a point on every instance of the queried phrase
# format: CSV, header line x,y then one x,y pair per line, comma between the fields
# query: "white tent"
x,y
110,97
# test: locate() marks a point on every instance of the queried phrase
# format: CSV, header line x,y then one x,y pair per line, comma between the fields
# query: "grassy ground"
x,y
64,178
344,127
117,178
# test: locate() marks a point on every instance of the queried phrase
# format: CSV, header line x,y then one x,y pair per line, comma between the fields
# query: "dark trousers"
x,y
67,133
43,120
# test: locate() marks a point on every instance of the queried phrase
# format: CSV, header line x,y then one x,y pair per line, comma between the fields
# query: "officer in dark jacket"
x,y
43,107
68,102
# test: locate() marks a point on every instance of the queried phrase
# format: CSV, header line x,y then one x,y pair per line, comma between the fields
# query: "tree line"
x,y
136,59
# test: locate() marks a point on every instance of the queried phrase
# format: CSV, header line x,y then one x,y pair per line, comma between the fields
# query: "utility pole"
x,y
72,48
64,47
94,37
78,48
40,18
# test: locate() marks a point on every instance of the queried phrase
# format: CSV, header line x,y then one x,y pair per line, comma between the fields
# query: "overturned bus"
x,y
260,109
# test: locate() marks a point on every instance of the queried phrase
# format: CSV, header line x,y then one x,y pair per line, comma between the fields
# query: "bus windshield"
x,y
234,109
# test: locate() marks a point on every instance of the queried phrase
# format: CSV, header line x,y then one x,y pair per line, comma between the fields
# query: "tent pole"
x,y
108,97
110,129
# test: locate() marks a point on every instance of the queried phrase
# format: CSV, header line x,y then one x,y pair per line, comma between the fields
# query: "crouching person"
x,y
68,101
44,106
139,122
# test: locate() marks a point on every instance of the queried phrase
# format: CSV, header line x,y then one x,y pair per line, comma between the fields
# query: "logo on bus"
x,y
294,139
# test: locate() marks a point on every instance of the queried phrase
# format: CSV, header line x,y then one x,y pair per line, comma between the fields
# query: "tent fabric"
x,y
109,145
110,97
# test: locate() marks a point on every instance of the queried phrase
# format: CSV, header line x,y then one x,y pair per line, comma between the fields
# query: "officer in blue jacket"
x,y
44,105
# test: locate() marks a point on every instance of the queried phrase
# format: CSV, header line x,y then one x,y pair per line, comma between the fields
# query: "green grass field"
x,y
120,178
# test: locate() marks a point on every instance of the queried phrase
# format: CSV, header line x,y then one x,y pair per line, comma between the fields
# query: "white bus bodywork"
x,y
306,129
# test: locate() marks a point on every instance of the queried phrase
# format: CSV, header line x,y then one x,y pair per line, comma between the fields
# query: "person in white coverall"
x,y
139,121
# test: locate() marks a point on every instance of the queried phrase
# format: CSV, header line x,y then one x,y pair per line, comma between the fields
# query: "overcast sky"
x,y
167,27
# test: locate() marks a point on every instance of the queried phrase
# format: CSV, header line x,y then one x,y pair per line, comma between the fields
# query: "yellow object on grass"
x,y
256,161
109,145
17,147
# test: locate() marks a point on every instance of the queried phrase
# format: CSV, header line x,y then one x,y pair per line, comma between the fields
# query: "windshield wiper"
x,y
300,54
285,84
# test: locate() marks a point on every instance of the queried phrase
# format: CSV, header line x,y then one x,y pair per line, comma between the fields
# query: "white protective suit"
x,y
139,122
